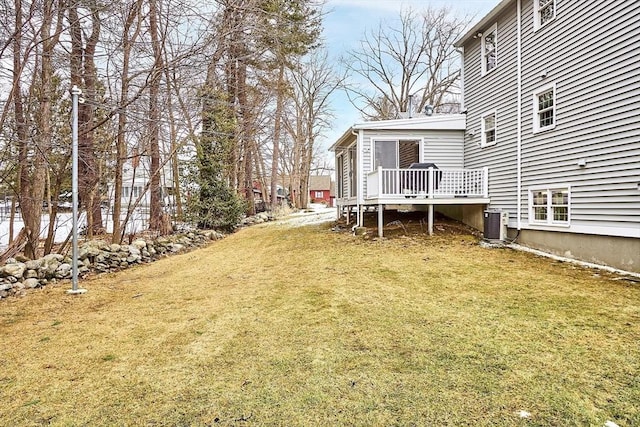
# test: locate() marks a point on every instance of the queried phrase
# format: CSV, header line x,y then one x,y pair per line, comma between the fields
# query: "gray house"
x,y
552,95
551,91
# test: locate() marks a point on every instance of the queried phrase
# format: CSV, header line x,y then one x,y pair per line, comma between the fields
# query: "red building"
x,y
320,189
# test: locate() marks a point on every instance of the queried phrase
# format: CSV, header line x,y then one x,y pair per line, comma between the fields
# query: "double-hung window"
x,y
490,49
549,206
544,12
544,108
489,128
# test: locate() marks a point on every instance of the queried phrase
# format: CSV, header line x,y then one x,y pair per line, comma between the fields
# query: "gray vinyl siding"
x,y
590,51
497,90
442,147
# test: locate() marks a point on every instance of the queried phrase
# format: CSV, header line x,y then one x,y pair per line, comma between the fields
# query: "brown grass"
x,y
305,326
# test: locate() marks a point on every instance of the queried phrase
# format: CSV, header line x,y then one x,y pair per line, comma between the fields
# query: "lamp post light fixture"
x,y
75,99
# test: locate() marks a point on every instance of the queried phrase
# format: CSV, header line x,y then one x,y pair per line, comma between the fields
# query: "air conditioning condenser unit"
x,y
495,224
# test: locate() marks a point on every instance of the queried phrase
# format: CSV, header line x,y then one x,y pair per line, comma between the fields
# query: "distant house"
x,y
550,140
320,189
135,194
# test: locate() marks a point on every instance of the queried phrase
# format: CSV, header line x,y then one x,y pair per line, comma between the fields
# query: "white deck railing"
x,y
442,183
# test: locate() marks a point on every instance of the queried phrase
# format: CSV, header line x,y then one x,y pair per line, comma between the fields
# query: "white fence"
x,y
442,183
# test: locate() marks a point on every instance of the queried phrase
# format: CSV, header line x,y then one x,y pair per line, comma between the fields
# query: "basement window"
x,y
549,206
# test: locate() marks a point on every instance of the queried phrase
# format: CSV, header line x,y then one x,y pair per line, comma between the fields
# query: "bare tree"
x,y
291,29
157,219
84,74
33,160
313,81
394,63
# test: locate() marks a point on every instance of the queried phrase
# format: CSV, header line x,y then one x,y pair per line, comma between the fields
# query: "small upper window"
x,y
490,49
544,107
488,125
545,11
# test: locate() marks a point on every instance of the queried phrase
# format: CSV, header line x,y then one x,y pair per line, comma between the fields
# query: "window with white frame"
x,y
319,194
386,154
544,108
490,49
549,206
544,12
489,128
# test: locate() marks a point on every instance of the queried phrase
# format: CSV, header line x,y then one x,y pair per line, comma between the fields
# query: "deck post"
x,y
348,214
380,220
360,216
431,184
430,220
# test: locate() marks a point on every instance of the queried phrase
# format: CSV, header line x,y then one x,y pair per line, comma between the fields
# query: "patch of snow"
x,y
524,414
317,214
63,225
610,424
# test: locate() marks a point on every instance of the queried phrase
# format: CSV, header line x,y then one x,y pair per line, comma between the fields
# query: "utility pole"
x,y
75,99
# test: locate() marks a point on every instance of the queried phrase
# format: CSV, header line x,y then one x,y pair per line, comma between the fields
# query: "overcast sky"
x,y
347,20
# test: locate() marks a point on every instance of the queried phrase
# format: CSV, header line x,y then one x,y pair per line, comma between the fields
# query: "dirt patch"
x,y
405,224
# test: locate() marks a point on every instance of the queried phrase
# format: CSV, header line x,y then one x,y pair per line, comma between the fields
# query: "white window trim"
x,y
373,150
397,140
549,222
536,15
483,135
492,29
536,120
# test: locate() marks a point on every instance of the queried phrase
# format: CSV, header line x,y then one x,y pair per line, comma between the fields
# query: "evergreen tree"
x,y
215,204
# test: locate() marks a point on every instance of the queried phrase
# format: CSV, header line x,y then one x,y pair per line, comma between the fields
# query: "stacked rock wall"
x,y
94,256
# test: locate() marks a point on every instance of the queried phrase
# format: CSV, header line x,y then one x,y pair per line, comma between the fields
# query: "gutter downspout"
x,y
519,124
358,174
460,50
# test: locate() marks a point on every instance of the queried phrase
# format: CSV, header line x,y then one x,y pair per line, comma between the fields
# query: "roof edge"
x,y
480,25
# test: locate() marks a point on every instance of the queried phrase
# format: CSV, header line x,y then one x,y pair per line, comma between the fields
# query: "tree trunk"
x,y
24,182
83,70
276,136
121,147
157,220
247,138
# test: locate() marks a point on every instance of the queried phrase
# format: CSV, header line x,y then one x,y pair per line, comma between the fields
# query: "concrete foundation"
x,y
471,215
617,252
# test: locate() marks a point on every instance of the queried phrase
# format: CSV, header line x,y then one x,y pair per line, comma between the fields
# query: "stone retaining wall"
x,y
94,257
97,256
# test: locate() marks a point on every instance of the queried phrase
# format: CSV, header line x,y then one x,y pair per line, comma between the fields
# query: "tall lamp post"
x,y
75,99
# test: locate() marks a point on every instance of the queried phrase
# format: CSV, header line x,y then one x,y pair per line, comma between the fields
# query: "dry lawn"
x,y
305,326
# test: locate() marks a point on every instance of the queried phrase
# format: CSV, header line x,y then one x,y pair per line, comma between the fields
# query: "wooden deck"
x,y
398,188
